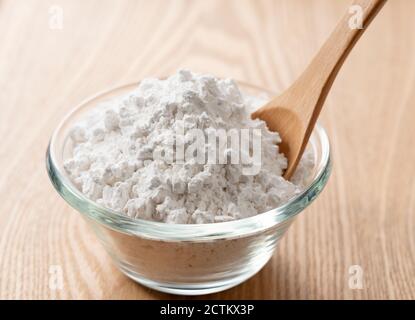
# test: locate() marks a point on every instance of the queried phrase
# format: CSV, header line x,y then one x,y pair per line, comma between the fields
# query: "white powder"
x,y
113,152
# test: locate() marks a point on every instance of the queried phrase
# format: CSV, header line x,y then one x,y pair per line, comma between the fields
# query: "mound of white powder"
x,y
112,159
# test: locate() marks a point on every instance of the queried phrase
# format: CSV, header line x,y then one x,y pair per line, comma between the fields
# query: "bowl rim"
x,y
183,232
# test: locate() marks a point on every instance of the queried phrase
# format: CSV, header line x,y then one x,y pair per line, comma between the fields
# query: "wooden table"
x,y
55,53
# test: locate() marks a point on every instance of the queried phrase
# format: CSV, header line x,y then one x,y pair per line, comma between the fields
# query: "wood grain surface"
x,y
365,216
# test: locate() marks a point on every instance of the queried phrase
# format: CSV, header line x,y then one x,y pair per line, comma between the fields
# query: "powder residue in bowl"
x,y
112,159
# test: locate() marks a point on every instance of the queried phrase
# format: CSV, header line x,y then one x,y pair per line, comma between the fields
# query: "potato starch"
x,y
113,160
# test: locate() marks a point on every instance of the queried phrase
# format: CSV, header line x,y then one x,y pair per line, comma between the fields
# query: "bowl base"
x,y
194,288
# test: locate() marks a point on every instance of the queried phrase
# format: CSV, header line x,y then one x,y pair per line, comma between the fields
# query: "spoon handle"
x,y
320,74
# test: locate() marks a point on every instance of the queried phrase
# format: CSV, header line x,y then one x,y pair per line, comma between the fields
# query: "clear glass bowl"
x,y
185,259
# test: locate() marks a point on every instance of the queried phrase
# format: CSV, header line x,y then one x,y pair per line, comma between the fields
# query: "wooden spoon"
x,y
294,113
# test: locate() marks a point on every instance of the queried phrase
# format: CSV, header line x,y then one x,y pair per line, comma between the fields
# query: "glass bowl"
x,y
185,259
